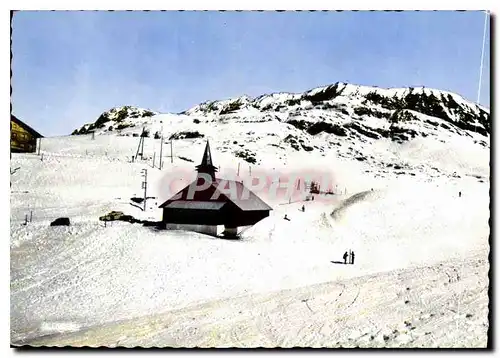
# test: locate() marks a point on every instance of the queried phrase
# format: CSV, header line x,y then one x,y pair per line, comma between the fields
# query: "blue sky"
x,y
69,67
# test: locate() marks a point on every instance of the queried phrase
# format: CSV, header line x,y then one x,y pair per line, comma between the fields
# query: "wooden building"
x,y
23,138
213,210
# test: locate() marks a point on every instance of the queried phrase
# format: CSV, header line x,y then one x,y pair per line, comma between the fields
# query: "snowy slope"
x,y
444,305
88,276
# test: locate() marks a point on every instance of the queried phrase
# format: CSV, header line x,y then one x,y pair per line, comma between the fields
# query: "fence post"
x,y
171,151
161,149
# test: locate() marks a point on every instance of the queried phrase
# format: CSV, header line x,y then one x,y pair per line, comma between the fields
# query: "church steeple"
x,y
206,165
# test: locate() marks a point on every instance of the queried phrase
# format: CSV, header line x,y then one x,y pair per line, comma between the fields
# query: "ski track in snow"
x,y
420,307
275,287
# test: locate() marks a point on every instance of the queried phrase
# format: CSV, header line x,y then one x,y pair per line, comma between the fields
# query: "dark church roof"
x,y
202,199
212,198
195,205
246,203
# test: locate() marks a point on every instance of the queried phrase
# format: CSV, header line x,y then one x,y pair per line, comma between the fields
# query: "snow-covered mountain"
x,y
343,103
340,109
118,118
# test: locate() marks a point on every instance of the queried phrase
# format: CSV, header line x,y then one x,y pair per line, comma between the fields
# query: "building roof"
x,y
195,205
244,199
25,126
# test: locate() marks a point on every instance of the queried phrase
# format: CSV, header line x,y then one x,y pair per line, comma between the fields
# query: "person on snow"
x,y
352,257
459,194
303,208
286,218
345,257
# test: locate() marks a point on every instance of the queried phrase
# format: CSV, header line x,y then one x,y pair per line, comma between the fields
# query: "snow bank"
x,y
89,274
414,225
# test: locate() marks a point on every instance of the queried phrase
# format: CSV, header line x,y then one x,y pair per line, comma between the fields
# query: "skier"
x,y
352,257
303,208
286,218
345,257
459,194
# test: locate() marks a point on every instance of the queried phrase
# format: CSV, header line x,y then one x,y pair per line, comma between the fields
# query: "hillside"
x,y
420,278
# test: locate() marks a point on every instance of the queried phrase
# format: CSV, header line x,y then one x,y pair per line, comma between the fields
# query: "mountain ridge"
x,y
313,121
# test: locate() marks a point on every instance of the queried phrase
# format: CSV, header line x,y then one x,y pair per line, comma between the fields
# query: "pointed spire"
x,y
206,165
207,156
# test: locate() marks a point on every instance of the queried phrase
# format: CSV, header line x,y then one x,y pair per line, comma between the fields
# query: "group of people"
x,y
349,255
